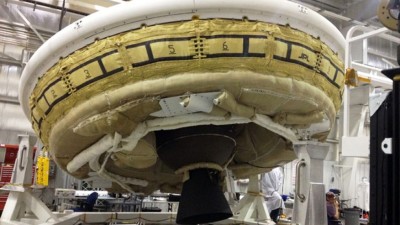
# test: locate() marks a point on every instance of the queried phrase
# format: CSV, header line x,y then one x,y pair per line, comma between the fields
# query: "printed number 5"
x,y
171,50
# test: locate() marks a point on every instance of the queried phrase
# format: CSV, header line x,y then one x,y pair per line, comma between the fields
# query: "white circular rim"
x,y
131,15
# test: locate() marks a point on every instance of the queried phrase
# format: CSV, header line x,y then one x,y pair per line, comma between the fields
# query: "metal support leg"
x,y
230,193
310,206
22,207
252,207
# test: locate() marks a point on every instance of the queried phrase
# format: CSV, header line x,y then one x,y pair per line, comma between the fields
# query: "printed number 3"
x,y
87,74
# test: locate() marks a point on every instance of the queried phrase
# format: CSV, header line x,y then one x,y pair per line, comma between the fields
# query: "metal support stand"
x,y
230,193
309,205
381,164
385,156
252,207
22,207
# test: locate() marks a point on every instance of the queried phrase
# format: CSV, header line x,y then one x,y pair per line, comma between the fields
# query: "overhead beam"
x,y
326,5
4,55
29,24
6,59
45,6
88,7
362,10
103,3
21,26
9,100
12,62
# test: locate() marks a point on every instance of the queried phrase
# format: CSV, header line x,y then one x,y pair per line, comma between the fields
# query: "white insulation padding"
x,y
107,142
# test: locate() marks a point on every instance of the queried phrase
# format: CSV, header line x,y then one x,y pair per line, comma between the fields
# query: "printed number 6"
x,y
225,46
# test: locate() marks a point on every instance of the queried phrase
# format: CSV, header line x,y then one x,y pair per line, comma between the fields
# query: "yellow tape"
x,y
43,168
46,169
39,171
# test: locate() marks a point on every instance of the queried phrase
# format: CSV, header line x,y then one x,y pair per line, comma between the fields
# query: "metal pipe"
x,y
366,66
55,7
61,15
299,164
11,62
21,158
9,100
370,34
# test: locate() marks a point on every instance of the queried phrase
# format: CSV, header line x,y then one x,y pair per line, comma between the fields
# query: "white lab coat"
x,y
270,185
363,195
